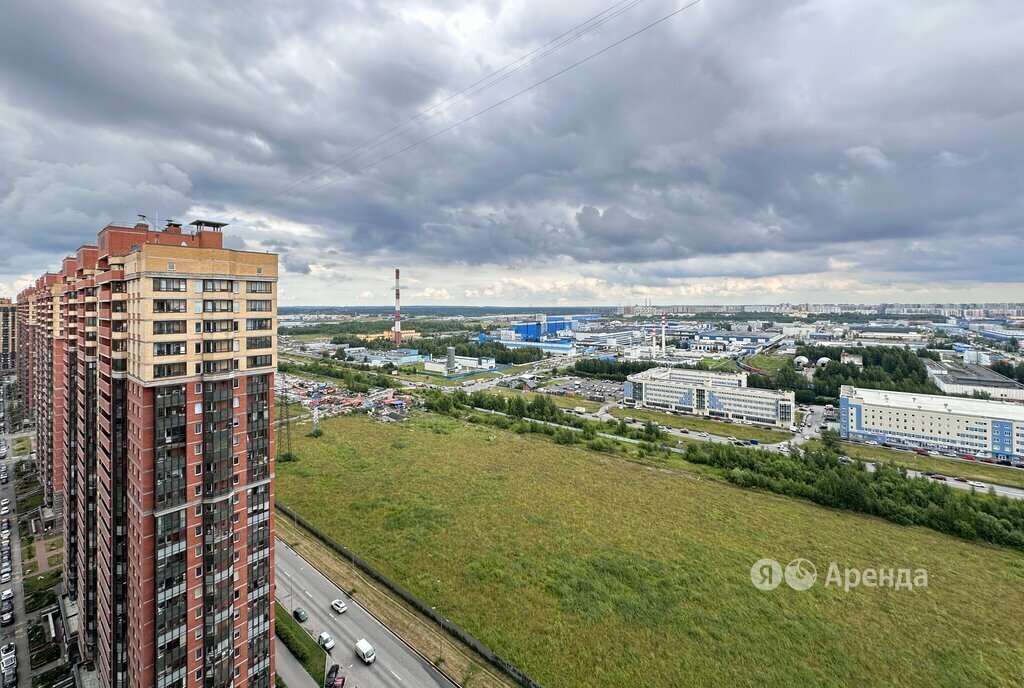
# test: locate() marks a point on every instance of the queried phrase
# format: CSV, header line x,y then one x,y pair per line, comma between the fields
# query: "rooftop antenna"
x,y
396,334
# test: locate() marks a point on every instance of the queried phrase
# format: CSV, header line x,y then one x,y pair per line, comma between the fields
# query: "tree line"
x,y
817,475
353,380
354,327
610,369
1009,370
438,348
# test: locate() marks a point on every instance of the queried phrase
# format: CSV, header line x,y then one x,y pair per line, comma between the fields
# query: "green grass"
x,y
723,364
769,363
972,470
22,445
300,643
54,543
54,560
584,569
692,423
42,581
560,402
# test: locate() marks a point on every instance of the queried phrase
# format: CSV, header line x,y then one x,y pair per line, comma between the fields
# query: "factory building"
x,y
612,339
150,376
950,424
709,394
968,379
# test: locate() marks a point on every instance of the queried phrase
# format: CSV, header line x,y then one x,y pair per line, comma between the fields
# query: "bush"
x,y
52,677
40,600
45,656
299,643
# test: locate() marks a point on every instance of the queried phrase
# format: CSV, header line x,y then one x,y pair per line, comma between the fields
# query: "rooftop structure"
x,y
968,378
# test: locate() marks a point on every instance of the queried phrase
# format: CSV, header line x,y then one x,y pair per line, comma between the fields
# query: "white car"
x,y
977,483
325,641
4,596
5,502
4,510
8,663
339,606
9,650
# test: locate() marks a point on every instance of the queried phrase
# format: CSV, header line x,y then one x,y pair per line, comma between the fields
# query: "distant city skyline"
x,y
723,156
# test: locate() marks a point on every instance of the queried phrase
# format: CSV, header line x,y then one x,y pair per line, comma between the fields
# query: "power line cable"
x,y
492,106
594,22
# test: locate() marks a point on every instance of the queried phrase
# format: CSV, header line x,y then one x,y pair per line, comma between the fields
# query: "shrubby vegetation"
x,y
438,347
519,412
610,370
352,380
1009,370
887,492
890,368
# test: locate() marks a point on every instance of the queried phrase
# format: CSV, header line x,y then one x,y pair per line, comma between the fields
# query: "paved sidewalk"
x,y
289,669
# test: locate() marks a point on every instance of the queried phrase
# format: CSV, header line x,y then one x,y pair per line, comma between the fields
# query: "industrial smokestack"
x,y
664,351
397,333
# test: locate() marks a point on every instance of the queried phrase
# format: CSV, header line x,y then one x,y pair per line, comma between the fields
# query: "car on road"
x,y
300,614
731,439
938,477
334,677
365,651
339,606
325,641
977,483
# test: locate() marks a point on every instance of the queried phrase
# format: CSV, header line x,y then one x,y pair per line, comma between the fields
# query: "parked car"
x,y
300,614
339,606
325,641
6,619
9,650
5,577
9,664
334,677
4,596
10,678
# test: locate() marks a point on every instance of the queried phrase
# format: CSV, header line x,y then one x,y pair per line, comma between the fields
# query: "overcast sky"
x,y
740,152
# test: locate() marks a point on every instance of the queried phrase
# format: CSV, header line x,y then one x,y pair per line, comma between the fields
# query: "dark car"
x,y
300,614
6,607
1004,462
332,676
10,678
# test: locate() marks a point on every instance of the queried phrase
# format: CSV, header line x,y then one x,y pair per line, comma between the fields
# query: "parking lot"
x,y
597,390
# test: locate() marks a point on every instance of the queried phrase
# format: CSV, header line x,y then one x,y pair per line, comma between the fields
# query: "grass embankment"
x,y
737,430
972,470
300,643
727,365
559,401
554,555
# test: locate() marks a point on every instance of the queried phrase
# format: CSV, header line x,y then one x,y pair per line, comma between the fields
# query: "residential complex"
x,y
952,424
8,336
711,394
149,368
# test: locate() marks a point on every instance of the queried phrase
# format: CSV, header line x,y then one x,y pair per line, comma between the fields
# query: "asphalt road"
x,y
18,632
397,666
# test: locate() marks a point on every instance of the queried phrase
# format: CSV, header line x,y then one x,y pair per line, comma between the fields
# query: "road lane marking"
x,y
286,573
307,592
396,676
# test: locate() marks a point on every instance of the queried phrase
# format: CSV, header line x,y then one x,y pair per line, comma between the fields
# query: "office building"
x,y
952,424
153,393
8,337
710,394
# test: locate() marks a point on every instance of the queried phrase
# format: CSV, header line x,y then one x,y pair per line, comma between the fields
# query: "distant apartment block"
x,y
8,337
709,394
149,371
954,424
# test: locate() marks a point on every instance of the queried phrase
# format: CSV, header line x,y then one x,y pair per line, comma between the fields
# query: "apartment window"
x,y
217,285
259,304
168,369
259,287
168,348
259,361
199,471
169,284
197,450
255,324
217,325
171,267
169,327
117,286
119,306
234,383
169,305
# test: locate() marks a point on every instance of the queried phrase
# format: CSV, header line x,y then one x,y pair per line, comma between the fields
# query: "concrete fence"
x,y
464,636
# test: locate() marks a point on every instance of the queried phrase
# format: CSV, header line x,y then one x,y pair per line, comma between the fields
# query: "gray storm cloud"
x,y
861,140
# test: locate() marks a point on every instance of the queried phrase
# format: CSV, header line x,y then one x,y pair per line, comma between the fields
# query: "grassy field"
x,y
972,470
741,432
584,569
560,402
768,362
723,364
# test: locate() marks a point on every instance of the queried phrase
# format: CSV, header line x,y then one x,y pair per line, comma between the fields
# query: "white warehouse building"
x,y
709,394
952,424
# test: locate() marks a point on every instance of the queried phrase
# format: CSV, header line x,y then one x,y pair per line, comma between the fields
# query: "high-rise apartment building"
x,y
151,379
8,336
